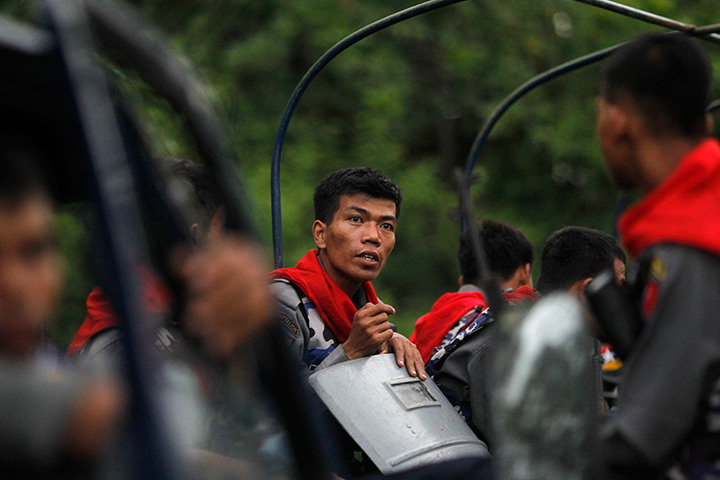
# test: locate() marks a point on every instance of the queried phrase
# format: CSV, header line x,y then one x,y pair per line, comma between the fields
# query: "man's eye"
x,y
355,218
388,226
33,251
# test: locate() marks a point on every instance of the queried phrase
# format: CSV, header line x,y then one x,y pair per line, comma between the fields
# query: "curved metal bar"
x,y
300,90
525,88
119,226
707,30
714,105
654,19
131,42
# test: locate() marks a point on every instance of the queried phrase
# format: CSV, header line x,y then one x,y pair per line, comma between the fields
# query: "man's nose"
x,y
371,233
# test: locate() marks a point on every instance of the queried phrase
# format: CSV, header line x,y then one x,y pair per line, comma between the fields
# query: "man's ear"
x,y
619,122
196,234
319,228
709,124
526,276
578,288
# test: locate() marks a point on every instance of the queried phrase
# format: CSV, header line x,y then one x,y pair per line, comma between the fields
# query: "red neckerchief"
x,y
431,328
683,209
333,304
100,315
522,293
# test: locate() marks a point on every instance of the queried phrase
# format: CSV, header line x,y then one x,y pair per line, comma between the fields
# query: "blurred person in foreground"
x,y
653,130
53,420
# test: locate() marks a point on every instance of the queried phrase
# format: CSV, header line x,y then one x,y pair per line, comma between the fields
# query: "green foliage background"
x,y
408,101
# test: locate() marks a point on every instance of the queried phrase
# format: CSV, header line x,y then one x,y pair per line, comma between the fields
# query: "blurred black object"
x,y
616,313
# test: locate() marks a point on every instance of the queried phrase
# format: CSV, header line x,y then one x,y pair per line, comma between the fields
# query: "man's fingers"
x,y
415,363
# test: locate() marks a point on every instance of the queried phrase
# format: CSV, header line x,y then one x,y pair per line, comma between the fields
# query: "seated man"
x,y
573,256
509,255
54,419
327,303
468,320
100,338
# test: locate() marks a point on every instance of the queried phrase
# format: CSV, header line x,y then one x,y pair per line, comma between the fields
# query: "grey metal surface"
x,y
543,399
399,421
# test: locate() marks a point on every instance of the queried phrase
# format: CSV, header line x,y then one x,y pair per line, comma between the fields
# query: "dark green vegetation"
x,y
408,101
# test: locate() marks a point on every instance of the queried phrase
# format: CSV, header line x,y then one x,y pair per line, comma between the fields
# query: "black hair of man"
x,y
575,253
506,249
666,78
200,181
20,174
349,181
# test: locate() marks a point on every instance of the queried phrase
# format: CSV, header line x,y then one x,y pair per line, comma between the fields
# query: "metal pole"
x,y
652,18
338,48
524,89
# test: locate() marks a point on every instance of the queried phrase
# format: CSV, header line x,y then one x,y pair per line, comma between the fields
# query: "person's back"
x,y
456,332
653,128
509,254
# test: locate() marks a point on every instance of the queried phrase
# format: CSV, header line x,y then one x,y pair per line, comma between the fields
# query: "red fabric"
x,y
333,304
431,328
100,315
522,293
684,209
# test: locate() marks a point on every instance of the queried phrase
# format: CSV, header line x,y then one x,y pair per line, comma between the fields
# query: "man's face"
x,y
614,143
356,244
30,273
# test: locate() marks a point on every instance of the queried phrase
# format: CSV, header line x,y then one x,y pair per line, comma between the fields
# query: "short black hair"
x,y
202,183
506,249
574,253
666,77
349,181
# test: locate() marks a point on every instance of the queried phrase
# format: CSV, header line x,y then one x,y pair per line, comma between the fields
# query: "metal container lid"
x,y
400,422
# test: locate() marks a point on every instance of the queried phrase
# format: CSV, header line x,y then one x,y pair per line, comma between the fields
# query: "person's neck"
x,y
350,288
660,156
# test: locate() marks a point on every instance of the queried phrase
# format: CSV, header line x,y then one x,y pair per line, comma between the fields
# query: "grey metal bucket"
x,y
399,421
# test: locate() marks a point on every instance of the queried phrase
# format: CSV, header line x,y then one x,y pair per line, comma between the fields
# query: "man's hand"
x,y
228,298
406,353
370,330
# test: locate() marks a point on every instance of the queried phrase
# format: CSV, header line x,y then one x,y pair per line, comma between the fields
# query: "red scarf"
x,y
431,328
683,209
522,293
333,304
100,315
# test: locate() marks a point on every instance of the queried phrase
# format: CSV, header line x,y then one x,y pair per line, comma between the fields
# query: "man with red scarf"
x,y
327,303
653,130
510,256
454,334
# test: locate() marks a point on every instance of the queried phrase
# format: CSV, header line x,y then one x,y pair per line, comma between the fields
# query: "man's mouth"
x,y
371,257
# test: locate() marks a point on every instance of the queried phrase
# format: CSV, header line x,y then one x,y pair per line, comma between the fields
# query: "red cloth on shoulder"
x,y
431,328
522,293
100,315
683,209
333,304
